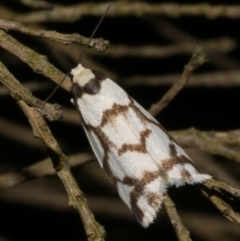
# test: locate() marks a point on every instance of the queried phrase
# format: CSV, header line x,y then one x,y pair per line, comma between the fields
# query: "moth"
x,y
137,154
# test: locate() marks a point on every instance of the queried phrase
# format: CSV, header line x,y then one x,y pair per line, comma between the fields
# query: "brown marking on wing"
x,y
145,119
186,175
154,199
110,114
141,147
138,212
174,159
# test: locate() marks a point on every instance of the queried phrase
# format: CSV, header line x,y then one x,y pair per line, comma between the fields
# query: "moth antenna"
x,y
94,31
90,39
54,90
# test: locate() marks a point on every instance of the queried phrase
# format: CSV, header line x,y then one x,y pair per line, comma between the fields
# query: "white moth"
x,y
137,154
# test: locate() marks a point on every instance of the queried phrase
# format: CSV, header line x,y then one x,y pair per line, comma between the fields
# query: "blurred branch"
x,y
31,85
123,8
198,58
99,44
37,4
220,45
18,133
215,79
40,169
181,231
226,144
174,33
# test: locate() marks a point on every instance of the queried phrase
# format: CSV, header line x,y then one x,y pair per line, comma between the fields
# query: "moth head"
x,y
86,81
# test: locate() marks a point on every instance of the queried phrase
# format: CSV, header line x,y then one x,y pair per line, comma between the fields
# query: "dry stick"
x,y
37,62
220,45
98,43
218,185
181,231
198,58
209,80
123,8
51,112
226,144
93,229
225,209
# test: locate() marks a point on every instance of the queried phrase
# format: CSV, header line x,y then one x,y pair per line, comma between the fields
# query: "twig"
x,y
50,112
123,8
209,80
220,45
94,230
225,209
180,229
218,185
40,169
225,144
98,44
198,58
37,62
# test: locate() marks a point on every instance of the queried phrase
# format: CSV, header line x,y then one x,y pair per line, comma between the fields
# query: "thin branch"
x,y
173,10
98,44
40,169
220,45
226,144
218,185
225,209
180,229
198,58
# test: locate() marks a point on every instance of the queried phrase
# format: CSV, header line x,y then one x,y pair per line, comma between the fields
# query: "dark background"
x,y
38,209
